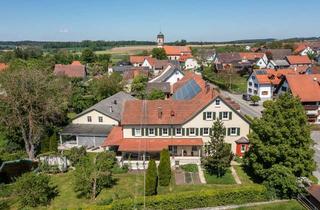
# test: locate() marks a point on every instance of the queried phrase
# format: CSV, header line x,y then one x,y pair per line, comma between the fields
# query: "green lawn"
x,y
289,205
226,179
244,178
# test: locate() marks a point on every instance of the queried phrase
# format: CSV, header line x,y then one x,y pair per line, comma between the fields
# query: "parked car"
x,y
246,97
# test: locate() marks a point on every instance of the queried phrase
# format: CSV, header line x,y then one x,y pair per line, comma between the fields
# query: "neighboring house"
x,y
175,52
315,46
163,86
298,60
307,88
226,61
303,49
278,64
264,82
137,60
74,70
206,56
191,63
181,126
92,126
256,59
172,74
277,54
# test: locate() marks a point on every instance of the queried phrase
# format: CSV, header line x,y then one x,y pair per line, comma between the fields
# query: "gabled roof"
x,y
272,76
111,106
177,50
300,47
251,56
74,70
189,90
165,75
278,54
306,87
137,59
298,59
242,140
228,57
279,62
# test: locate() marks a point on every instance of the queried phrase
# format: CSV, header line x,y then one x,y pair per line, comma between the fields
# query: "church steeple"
x,y
160,39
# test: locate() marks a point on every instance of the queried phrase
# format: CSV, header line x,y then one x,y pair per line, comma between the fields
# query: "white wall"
x,y
191,63
175,77
95,119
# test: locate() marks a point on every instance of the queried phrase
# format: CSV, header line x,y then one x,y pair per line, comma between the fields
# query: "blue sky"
x,y
193,20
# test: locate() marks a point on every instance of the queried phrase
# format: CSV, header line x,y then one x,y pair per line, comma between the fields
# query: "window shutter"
x,y
187,131
230,115
204,115
147,133
183,131
156,131
238,131
160,131
197,131
173,131
229,131
201,131
169,131
142,131
133,131
213,115
220,115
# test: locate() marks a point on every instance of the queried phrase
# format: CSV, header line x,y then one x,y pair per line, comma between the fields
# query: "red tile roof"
x,y
306,87
300,47
183,58
298,59
177,50
3,66
250,55
114,138
151,61
274,76
74,70
137,59
76,63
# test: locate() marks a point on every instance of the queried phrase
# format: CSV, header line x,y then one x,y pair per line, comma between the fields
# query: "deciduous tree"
x,y
138,86
159,53
156,94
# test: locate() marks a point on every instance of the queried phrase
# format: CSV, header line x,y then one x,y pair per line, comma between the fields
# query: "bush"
x,y
75,154
164,169
51,169
195,199
105,202
34,189
190,168
151,178
4,205
120,170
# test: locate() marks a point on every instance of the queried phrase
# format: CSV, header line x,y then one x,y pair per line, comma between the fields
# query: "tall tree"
x,y
151,179
94,174
156,94
219,153
281,145
164,168
159,53
138,86
88,56
33,100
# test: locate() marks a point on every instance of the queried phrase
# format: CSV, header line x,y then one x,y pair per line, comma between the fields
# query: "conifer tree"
x,y
164,168
151,179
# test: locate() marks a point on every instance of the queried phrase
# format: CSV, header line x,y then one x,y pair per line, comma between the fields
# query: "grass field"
x,y
244,178
289,205
226,179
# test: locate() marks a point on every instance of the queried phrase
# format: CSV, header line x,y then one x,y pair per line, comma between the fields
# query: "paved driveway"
x,y
315,135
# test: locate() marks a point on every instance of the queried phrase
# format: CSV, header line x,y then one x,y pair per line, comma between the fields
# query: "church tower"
x,y
160,39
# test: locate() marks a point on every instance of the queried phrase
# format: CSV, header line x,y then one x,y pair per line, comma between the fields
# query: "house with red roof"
x,y
181,124
298,60
73,70
307,88
263,82
177,52
258,59
137,60
303,49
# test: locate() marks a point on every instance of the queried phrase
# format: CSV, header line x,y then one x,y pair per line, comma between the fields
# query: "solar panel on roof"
x,y
261,72
187,91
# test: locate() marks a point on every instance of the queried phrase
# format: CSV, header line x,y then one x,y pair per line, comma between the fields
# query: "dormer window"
x,y
218,102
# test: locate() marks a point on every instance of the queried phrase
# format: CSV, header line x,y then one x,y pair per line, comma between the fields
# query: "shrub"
x,y
195,199
4,205
190,168
151,178
51,169
164,169
120,170
75,154
105,202
34,189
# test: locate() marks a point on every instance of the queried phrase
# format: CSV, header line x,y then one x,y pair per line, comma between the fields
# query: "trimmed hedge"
x,y
195,199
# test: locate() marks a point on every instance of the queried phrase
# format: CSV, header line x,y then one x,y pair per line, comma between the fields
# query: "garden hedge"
x,y
195,199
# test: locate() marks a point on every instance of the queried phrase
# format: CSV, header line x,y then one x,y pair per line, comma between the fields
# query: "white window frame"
x,y
211,116
233,133
207,133
137,132
219,102
194,132
243,148
100,119
225,118
179,134
151,129
89,119
165,134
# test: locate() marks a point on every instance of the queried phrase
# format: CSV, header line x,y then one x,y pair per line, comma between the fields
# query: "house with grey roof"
x,y
162,86
92,126
278,64
171,75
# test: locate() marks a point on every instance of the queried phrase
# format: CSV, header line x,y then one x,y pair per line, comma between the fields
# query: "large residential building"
x,y
92,126
181,124
307,88
177,52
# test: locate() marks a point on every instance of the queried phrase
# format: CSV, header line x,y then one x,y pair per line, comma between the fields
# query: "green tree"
x,y
34,100
255,99
81,97
219,153
156,94
75,154
151,179
94,174
281,145
88,56
34,189
159,53
164,168
138,86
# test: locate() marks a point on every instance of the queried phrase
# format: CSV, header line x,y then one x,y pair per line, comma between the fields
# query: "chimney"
x,y
159,112
110,109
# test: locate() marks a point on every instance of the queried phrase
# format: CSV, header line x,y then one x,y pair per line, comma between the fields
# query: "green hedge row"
x,y
195,199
